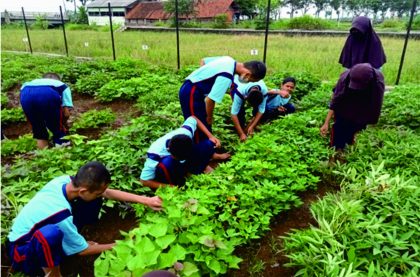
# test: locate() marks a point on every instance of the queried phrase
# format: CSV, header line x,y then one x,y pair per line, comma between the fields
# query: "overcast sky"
x,y
35,5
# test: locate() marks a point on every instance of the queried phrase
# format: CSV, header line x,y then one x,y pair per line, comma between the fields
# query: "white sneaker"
x,y
64,144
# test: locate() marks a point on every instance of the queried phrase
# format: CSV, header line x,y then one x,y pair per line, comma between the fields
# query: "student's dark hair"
x,y
92,176
255,97
257,68
180,147
289,79
51,75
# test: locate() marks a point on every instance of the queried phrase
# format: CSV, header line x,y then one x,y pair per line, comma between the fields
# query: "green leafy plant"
x,y
4,100
206,220
305,82
91,83
134,87
398,110
256,268
12,115
23,144
94,119
369,228
220,21
307,22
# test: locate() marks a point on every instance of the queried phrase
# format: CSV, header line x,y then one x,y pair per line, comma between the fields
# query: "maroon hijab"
x,y
358,94
362,45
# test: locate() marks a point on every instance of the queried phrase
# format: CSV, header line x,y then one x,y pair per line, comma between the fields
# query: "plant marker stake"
x,y
27,31
64,32
177,34
267,22
110,27
413,9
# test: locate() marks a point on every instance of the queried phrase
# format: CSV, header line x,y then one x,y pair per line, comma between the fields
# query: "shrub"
x,y
416,23
83,27
160,24
307,22
80,17
279,24
40,22
221,21
392,23
245,24
260,24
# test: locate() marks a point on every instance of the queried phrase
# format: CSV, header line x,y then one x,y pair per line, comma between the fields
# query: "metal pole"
x,y
267,23
112,33
177,34
413,9
27,31
64,32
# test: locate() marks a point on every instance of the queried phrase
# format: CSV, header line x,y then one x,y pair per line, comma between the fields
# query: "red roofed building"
x,y
205,10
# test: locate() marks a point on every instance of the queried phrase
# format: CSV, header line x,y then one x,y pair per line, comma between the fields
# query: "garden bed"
x,y
240,209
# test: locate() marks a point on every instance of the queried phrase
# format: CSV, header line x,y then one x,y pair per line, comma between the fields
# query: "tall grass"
x,y
318,55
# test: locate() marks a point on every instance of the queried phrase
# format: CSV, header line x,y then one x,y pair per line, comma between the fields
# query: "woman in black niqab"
x,y
363,45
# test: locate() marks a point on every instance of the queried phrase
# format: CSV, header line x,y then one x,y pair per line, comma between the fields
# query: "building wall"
x,y
104,20
100,16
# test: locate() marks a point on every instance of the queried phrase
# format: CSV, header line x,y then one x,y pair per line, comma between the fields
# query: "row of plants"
x,y
370,228
205,221
129,145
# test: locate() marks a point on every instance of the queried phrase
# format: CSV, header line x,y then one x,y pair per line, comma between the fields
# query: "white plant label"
x,y
254,52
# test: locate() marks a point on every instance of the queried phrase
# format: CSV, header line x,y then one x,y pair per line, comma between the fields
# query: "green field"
x,y
318,55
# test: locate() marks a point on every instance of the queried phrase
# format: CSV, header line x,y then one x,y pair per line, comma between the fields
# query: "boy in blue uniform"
x,y
46,229
46,103
253,93
278,101
172,156
208,84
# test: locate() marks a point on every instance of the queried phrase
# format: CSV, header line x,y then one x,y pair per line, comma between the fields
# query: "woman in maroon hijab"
x,y
356,102
363,45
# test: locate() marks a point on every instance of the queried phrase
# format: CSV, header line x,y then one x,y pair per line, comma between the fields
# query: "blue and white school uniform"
x,y
160,166
240,92
211,80
42,101
273,102
44,230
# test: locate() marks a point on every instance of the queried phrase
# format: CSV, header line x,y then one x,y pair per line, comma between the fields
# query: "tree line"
x,y
255,8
